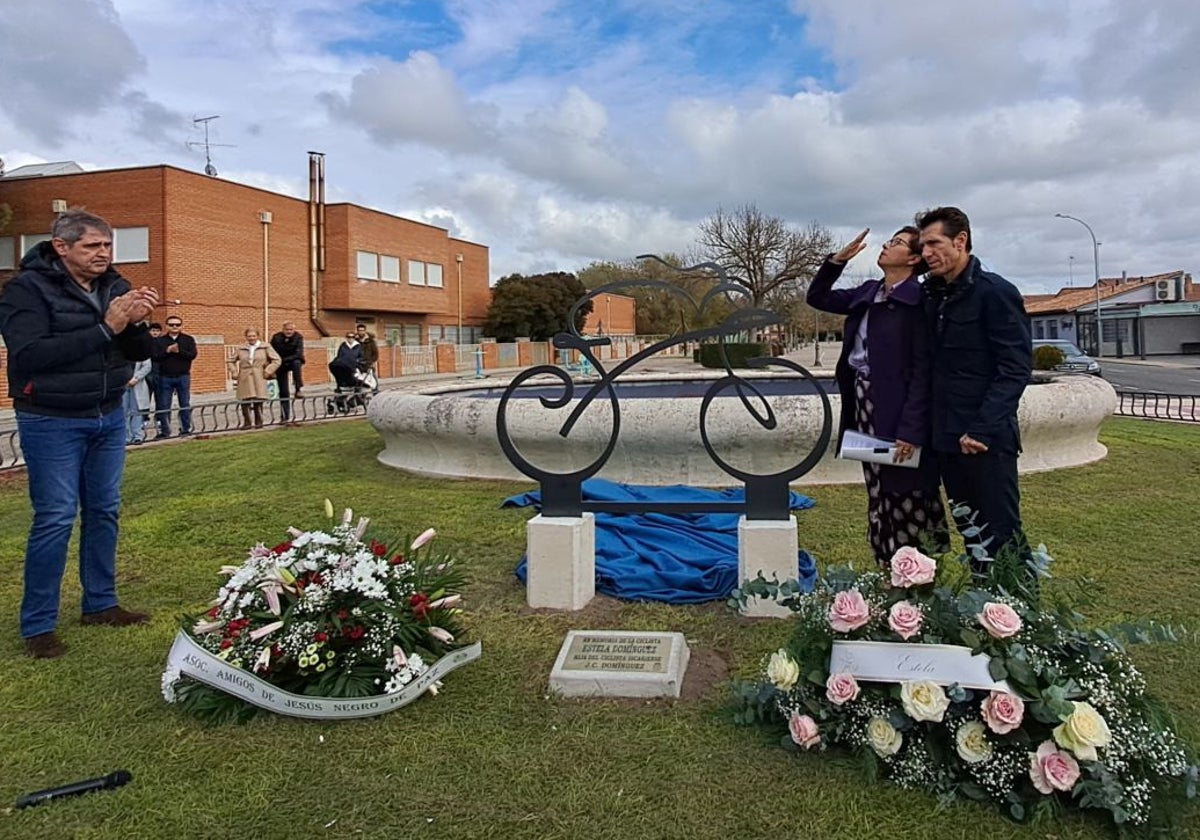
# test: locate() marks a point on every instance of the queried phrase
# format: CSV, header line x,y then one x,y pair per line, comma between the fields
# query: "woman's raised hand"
x,y
852,249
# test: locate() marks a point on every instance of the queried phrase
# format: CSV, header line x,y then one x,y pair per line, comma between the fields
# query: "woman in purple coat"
x,y
883,376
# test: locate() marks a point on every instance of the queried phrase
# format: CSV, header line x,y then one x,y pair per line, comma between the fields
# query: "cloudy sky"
x,y
558,132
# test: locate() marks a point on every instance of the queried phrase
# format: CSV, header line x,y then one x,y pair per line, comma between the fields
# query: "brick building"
x,y
225,256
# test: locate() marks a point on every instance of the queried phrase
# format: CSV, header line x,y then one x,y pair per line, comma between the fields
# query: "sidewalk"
x,y
1181,362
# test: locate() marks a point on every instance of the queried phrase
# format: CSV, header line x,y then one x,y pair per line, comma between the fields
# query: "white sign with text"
x,y
899,662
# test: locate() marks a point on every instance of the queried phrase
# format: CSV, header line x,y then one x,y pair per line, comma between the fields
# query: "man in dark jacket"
x,y
174,353
72,326
289,344
981,363
370,350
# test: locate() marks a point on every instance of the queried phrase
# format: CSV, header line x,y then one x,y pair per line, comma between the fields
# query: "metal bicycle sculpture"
x,y
767,496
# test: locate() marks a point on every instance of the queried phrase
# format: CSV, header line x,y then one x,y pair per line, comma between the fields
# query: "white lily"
x,y
271,592
265,630
347,515
328,509
424,537
362,528
441,635
448,601
202,627
295,532
398,655
264,659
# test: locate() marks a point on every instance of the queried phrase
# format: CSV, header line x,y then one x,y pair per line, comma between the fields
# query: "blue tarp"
x,y
677,558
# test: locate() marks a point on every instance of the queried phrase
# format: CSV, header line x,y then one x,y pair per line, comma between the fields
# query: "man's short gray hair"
x,y
73,224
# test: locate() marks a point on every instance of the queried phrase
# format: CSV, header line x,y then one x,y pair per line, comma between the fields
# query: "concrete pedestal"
x,y
770,547
562,561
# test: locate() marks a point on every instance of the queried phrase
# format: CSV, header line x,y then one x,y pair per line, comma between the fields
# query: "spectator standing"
x,y
152,378
72,326
883,378
254,364
174,353
288,344
370,351
981,362
137,403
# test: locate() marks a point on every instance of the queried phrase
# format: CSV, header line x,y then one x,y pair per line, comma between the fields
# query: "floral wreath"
x,y
331,613
1071,726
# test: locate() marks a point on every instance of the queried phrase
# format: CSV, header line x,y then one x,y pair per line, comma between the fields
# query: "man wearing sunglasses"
x,y
174,353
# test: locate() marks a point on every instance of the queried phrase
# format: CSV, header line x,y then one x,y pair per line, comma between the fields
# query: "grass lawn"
x,y
494,755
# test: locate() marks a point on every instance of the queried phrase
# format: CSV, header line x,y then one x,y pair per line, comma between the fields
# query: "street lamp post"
x,y
1096,264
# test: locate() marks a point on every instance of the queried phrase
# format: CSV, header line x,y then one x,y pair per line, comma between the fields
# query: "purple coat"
x,y
898,354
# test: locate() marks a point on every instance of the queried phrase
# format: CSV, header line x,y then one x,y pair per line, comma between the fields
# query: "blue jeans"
x,y
135,423
74,467
181,385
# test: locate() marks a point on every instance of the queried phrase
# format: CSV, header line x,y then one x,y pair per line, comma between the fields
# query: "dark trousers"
x,y
290,368
987,484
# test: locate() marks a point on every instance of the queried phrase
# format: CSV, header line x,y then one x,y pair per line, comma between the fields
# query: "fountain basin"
x,y
445,430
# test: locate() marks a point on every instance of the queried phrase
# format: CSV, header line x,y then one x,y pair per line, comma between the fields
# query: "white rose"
x,y
972,743
1082,731
883,737
782,670
924,700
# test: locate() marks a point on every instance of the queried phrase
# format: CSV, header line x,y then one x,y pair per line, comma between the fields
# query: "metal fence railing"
x,y
216,417
1179,407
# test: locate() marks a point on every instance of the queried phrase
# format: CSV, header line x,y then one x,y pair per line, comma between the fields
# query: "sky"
x,y
560,132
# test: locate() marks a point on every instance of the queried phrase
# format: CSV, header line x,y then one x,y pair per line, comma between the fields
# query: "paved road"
x,y
1132,376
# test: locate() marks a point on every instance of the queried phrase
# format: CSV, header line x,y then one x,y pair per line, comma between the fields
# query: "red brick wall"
x,y
207,251
618,313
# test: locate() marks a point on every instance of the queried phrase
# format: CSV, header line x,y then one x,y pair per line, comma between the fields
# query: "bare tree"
x,y
771,259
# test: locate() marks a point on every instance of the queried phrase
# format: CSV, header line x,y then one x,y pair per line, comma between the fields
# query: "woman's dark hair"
x,y
914,245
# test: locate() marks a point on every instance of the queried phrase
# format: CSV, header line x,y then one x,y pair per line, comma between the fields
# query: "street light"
x,y
1071,272
1096,263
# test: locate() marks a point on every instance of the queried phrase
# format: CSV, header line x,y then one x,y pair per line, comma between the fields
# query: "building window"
x,y
28,242
368,265
389,268
1039,331
8,246
131,244
433,275
1053,329
416,273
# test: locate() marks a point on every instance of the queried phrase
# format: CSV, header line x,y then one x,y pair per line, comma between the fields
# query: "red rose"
x,y
378,548
320,636
226,643
342,615
397,558
214,612
282,547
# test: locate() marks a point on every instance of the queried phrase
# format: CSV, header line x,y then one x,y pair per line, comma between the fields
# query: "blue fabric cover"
x,y
679,559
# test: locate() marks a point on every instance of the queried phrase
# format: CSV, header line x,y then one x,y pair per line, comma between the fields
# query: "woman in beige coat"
x,y
254,364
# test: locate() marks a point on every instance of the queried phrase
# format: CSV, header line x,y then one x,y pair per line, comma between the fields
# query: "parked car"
x,y
1074,359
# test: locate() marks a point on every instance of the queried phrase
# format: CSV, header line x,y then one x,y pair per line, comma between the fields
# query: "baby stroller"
x,y
354,387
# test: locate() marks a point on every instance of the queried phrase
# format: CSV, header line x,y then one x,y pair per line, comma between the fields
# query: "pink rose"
x,y
848,611
1052,769
804,731
1000,620
905,619
912,568
1002,712
841,688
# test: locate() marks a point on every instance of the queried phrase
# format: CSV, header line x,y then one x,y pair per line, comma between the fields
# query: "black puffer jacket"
x,y
61,360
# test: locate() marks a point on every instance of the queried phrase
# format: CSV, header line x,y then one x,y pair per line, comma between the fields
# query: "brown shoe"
x,y
115,617
45,646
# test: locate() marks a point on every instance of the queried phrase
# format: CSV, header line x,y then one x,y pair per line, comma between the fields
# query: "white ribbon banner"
x,y
899,662
191,660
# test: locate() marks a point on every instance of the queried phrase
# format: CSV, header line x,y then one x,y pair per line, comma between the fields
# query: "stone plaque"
x,y
620,663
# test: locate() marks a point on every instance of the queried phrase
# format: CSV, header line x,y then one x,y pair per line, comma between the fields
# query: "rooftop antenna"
x,y
209,169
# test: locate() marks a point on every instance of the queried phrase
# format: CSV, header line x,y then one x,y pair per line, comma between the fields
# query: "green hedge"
x,y
1047,357
709,355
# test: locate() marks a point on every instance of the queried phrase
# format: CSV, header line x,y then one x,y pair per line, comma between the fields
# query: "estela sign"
x,y
899,662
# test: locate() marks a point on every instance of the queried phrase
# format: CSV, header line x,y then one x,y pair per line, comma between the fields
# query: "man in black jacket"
x,y
72,326
981,363
174,353
289,344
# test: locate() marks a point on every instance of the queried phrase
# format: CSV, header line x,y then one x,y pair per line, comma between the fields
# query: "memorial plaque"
x,y
619,663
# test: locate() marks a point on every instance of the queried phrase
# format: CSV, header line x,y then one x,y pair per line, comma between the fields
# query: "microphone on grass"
x,y
112,780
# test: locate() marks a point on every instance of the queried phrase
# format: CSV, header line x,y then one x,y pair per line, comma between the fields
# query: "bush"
x,y
1047,357
709,355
